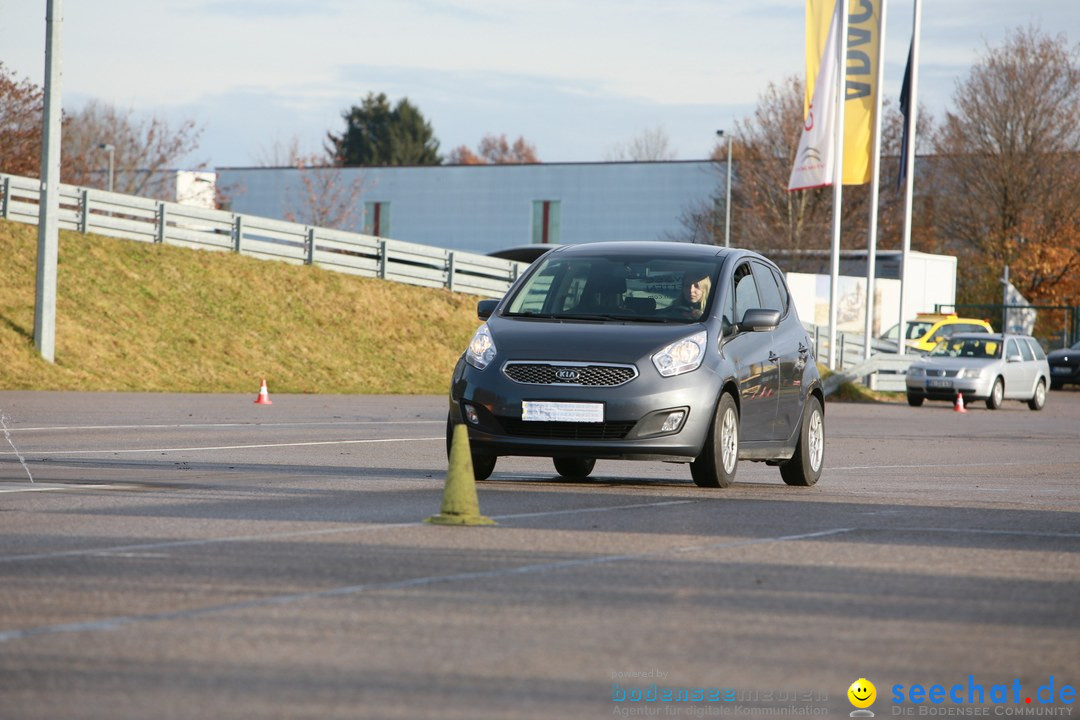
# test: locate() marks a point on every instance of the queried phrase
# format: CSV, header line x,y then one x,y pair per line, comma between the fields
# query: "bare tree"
x,y
648,146
143,148
327,199
1009,175
21,107
495,150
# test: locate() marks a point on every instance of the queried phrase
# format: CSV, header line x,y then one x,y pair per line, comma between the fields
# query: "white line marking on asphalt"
x,y
36,453
225,425
948,465
114,623
58,488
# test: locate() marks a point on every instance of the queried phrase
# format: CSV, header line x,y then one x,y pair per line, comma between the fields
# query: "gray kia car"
x,y
644,350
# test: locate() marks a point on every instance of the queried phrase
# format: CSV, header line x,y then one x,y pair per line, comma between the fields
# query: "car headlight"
x,y
916,371
681,356
481,350
970,373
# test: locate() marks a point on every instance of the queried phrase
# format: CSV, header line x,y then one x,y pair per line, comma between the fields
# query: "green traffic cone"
x,y
460,505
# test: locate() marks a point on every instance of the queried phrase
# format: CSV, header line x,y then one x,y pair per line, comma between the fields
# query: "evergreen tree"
x,y
376,134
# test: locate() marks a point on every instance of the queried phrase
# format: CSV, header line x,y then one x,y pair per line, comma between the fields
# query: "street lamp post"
x,y
727,208
111,149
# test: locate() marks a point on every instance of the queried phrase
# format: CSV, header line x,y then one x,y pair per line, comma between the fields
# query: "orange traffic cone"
x,y
959,406
264,395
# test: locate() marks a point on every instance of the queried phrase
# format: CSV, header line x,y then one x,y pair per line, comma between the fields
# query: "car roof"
x,y
994,337
647,248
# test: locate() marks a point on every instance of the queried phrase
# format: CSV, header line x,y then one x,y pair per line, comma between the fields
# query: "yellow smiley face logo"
x,y
862,693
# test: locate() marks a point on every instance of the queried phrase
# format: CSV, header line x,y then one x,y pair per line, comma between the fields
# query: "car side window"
x,y
1011,349
746,292
766,284
1025,350
785,298
1037,349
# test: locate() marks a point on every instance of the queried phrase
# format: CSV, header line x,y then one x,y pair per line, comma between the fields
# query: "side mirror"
x,y
760,320
485,308
1014,358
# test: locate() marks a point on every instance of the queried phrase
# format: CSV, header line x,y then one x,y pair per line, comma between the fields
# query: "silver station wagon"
x,y
981,366
644,350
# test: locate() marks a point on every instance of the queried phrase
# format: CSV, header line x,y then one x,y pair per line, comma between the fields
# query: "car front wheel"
x,y
574,467
914,400
997,394
719,459
804,467
1039,398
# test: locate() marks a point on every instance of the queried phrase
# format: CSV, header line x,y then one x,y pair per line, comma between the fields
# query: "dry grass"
x,y
134,316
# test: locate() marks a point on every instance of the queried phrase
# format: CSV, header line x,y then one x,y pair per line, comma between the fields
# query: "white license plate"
x,y
939,383
535,410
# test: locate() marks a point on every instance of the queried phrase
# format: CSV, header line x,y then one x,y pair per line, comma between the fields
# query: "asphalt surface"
x,y
200,556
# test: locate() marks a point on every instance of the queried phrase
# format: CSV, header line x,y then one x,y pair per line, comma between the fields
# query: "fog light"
x,y
471,416
673,421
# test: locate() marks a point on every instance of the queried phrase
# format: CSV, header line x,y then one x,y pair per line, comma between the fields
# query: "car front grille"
x,y
942,373
566,430
580,374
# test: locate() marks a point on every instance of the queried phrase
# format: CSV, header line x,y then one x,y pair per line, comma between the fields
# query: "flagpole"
x,y
838,178
909,179
875,182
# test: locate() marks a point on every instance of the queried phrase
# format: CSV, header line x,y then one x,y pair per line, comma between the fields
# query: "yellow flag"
x,y
864,34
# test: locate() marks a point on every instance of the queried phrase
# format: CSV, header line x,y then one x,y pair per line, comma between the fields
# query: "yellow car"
x,y
924,332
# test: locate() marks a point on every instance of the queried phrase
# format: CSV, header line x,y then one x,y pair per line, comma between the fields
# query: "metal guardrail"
x,y
143,219
883,370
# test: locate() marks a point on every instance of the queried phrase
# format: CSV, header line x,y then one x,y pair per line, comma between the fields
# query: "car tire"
x,y
915,400
574,467
804,467
1038,400
997,394
716,465
483,464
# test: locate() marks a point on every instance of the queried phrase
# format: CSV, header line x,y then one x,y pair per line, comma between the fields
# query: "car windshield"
x,y
590,287
966,347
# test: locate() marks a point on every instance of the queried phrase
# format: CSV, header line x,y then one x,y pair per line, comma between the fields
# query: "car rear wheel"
x,y
804,467
997,394
574,467
483,463
914,400
1039,398
719,459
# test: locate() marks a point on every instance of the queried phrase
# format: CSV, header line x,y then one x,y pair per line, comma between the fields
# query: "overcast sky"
x,y
573,78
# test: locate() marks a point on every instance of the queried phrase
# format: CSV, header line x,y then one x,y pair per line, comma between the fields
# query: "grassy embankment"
x,y
139,317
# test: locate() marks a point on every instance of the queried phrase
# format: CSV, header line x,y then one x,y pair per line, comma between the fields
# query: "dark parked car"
x,y
644,350
1064,366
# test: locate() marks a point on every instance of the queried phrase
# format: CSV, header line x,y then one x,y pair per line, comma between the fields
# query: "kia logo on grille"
x,y
567,374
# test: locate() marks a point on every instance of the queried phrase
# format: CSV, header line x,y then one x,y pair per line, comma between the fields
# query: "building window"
x,y
377,219
546,222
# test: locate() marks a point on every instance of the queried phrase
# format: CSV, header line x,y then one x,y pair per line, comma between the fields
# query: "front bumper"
x,y
937,388
1061,374
633,415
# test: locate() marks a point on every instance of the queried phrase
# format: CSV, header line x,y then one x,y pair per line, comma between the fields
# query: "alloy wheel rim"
x,y
998,392
1040,394
729,440
816,436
